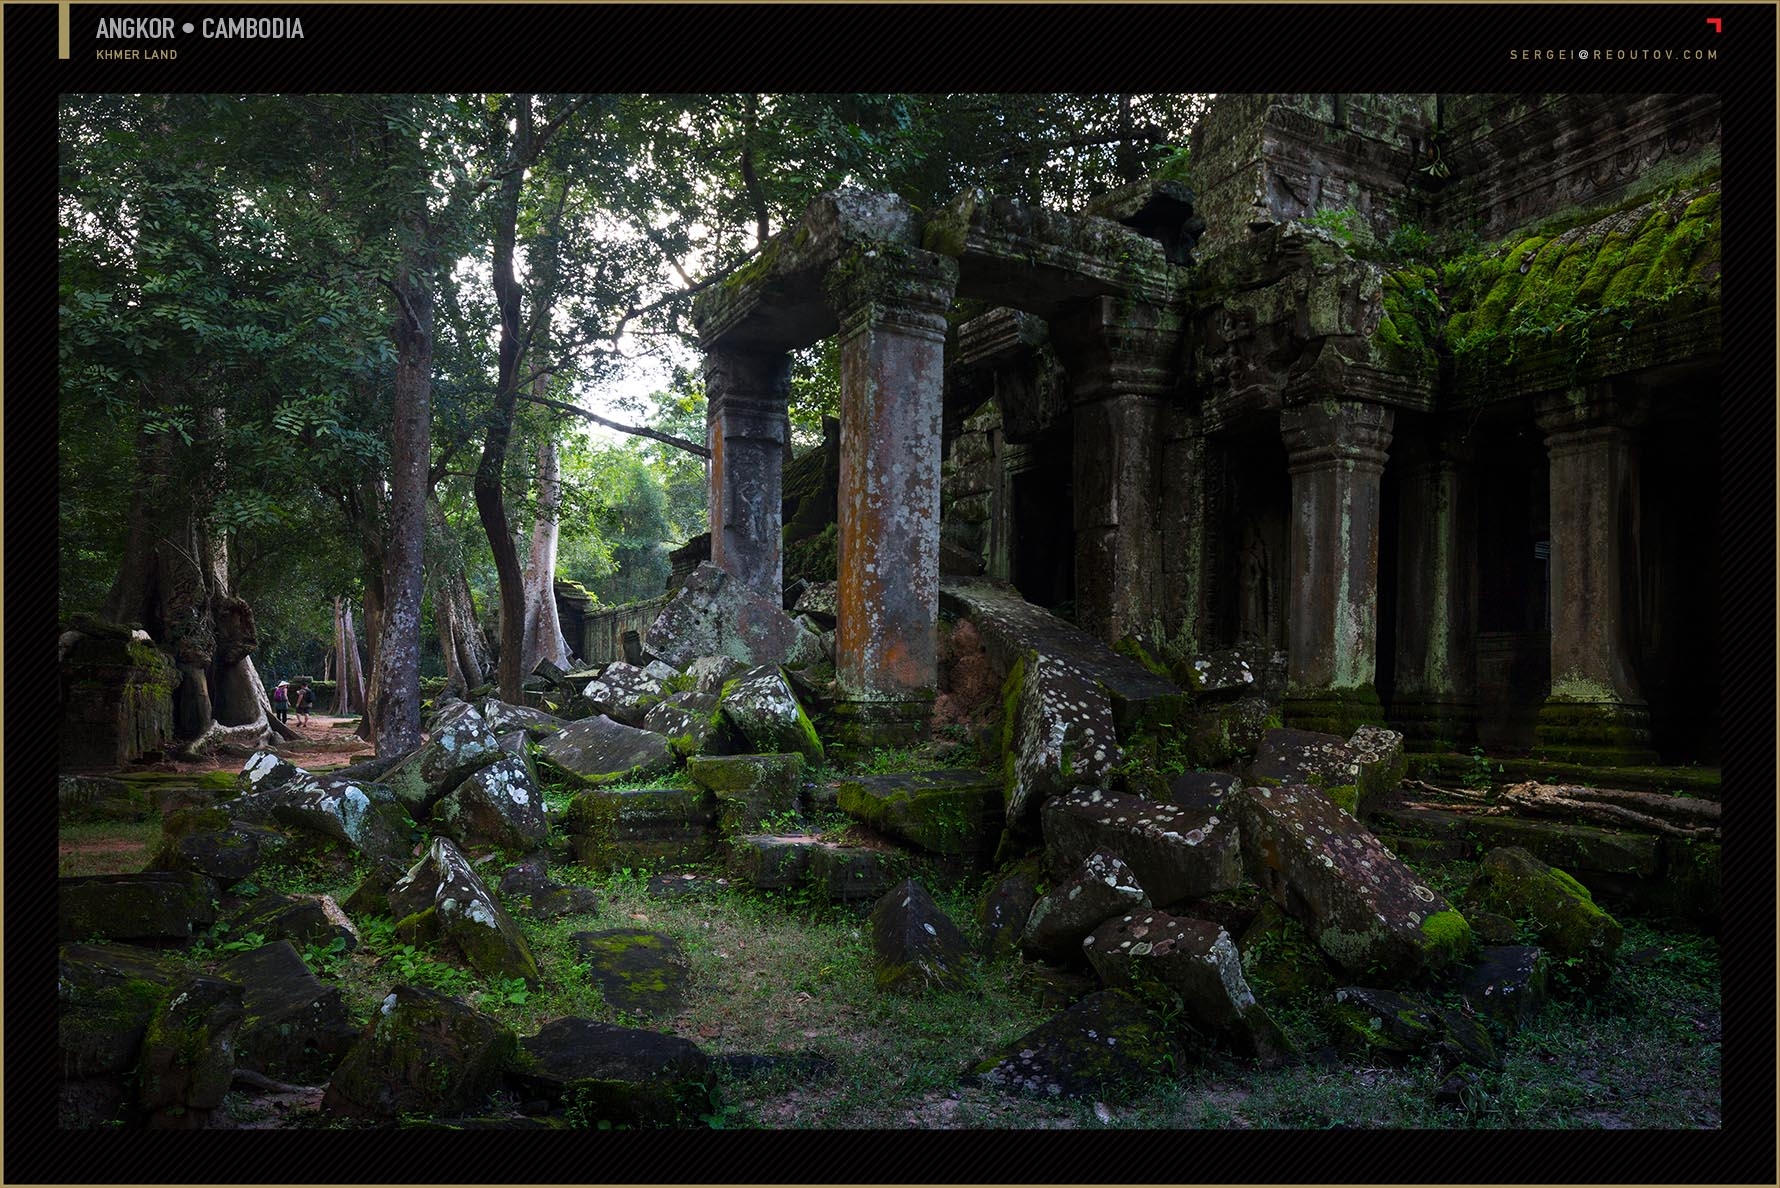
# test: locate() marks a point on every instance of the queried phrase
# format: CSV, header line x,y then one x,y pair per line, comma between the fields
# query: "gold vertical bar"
x,y
62,37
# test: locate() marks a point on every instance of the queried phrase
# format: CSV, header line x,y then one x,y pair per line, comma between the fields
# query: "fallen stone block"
x,y
1385,1025
441,899
526,890
636,969
188,1054
422,1053
1217,676
1370,913
267,771
947,811
1060,735
690,722
1207,790
1101,887
596,751
624,693
915,946
1225,731
295,1027
642,826
105,997
360,816
1509,985
749,789
715,615
842,874
503,717
227,855
457,749
1562,914
710,673
1108,1039
168,907
1190,968
761,707
498,805
1003,910
619,1075
1356,773
1176,853
300,919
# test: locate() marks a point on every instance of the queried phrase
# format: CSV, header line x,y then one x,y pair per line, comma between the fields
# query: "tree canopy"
x,y
243,279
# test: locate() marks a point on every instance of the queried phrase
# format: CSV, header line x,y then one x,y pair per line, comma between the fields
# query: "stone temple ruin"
x,y
1260,411
1194,519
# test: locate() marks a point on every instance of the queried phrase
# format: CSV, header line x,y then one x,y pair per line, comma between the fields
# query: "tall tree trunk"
x,y
454,608
543,627
349,681
490,506
395,705
369,670
354,669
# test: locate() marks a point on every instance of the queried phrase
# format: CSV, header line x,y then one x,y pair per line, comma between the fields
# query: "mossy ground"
x,y
782,973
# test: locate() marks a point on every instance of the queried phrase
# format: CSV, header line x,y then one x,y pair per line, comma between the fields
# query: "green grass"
x,y
783,974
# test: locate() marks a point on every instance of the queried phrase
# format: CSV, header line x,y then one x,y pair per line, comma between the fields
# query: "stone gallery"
x,y
1259,411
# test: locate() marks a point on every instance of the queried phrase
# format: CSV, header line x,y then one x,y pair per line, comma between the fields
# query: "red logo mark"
x,y
1717,24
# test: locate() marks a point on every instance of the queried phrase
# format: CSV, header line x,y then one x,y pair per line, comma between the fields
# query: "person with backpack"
x,y
305,702
281,700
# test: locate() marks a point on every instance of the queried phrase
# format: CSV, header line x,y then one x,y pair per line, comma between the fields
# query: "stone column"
x,y
1337,454
1122,360
1184,522
1435,700
746,429
891,302
1596,711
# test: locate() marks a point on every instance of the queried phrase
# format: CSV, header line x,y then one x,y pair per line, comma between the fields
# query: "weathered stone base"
x,y
863,725
1608,734
1333,711
1432,724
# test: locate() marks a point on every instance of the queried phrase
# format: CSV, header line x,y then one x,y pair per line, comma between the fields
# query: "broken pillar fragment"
x,y
746,428
891,302
1337,450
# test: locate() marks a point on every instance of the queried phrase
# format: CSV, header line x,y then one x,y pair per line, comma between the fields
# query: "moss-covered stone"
x,y
188,1054
636,969
601,1074
423,1053
1106,1042
158,907
1552,907
947,811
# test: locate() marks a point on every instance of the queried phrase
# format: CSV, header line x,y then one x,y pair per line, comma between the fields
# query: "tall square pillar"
x,y
1435,677
1337,451
1596,711
891,302
746,428
1122,358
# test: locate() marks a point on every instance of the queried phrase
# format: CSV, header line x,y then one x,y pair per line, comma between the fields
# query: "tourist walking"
x,y
305,702
281,700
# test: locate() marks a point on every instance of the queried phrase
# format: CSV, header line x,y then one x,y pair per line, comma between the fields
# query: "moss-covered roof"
x,y
1565,291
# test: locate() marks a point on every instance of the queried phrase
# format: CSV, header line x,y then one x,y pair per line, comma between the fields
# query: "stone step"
x,y
1452,767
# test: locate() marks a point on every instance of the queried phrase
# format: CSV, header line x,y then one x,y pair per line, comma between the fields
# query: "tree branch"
x,y
635,430
637,311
